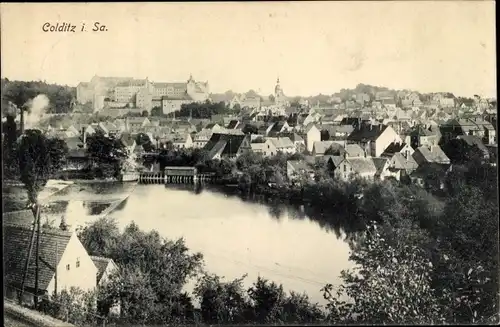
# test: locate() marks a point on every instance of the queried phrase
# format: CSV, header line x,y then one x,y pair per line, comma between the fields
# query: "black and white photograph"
x,y
249,163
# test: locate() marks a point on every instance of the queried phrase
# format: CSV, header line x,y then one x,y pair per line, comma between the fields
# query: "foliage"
x,y
108,152
153,271
9,149
222,303
460,152
38,157
19,93
391,284
157,112
264,302
202,110
250,129
74,306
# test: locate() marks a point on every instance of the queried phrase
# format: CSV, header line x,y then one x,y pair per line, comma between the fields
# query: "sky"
x,y
313,47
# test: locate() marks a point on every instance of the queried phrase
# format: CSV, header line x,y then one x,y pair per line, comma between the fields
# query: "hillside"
x,y
20,92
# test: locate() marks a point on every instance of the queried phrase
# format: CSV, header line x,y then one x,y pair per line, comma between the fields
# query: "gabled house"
x,y
227,145
233,124
281,144
278,127
201,138
430,154
105,267
128,141
298,141
400,160
63,262
313,134
183,141
346,168
135,123
320,147
374,138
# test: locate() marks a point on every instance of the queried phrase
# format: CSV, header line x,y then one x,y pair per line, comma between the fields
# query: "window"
x,y
345,168
67,267
77,262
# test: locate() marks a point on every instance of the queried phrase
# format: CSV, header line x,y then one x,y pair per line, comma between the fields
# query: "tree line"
x,y
19,93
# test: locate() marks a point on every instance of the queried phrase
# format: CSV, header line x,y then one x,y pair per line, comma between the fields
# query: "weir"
x,y
176,175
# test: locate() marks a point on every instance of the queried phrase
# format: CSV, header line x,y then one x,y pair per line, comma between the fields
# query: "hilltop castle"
x,y
143,94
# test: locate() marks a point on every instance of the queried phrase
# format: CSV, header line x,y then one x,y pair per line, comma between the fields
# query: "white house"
x,y
63,263
374,138
313,134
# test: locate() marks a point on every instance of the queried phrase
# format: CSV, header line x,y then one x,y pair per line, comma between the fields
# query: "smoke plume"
x,y
35,109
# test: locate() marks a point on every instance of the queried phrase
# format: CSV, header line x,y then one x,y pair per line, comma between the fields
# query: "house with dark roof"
x,y
374,138
278,127
63,262
227,145
105,267
233,124
430,154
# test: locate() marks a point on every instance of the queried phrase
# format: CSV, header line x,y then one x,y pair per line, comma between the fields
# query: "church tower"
x,y
279,97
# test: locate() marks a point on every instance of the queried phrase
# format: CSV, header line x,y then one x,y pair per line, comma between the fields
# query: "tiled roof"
x,y
281,142
393,148
179,97
320,147
367,132
16,240
101,263
433,154
21,217
380,164
473,140
133,82
354,150
299,165
173,85
336,160
363,165
232,124
225,144
400,162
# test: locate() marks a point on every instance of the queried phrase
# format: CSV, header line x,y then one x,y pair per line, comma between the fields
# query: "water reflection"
x,y
285,243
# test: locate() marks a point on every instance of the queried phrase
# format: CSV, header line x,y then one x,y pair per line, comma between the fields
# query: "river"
x,y
236,237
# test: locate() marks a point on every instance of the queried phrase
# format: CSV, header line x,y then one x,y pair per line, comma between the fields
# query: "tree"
x,y
156,112
390,284
108,152
222,302
39,157
145,113
100,238
250,129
